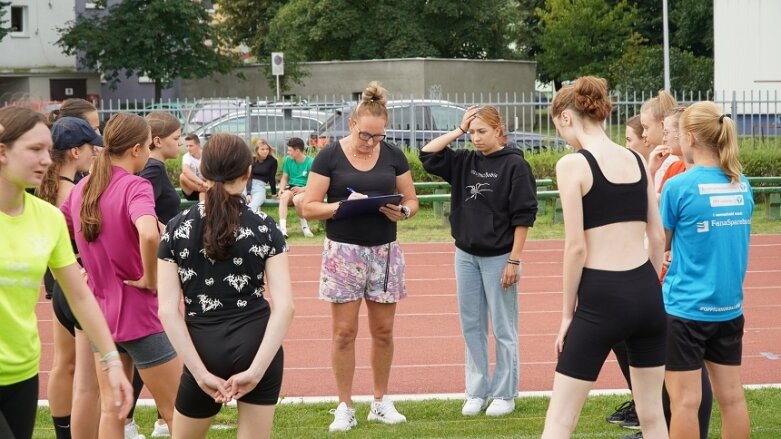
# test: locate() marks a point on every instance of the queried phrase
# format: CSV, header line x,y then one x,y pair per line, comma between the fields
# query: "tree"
x,y
317,30
642,70
163,40
692,23
584,37
4,30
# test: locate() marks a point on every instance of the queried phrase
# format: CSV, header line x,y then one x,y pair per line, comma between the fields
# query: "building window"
x,y
18,21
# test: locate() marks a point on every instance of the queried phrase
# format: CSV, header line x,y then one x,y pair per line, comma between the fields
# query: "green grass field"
x,y
442,419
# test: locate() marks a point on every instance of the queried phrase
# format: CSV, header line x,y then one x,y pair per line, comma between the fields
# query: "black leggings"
x,y
18,406
615,306
706,404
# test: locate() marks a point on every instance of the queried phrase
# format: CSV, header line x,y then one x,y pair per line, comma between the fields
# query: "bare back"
x,y
618,245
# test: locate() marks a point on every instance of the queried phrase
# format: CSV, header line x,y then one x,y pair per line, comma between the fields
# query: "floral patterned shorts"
x,y
352,272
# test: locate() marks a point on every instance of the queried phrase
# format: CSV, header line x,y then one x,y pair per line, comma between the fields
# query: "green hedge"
x,y
760,158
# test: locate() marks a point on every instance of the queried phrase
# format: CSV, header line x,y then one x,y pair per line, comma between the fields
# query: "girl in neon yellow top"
x,y
33,237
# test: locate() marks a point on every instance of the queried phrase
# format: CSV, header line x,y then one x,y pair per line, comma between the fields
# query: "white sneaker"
x,y
385,411
344,418
500,407
131,431
283,229
161,430
473,406
307,233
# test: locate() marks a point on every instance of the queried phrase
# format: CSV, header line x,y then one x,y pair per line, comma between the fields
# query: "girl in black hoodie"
x,y
494,202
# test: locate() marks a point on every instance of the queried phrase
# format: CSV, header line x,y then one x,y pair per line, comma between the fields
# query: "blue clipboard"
x,y
365,206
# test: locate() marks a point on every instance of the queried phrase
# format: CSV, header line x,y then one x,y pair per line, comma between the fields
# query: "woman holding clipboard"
x,y
361,257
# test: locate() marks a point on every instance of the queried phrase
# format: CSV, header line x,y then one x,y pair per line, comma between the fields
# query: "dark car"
x,y
416,122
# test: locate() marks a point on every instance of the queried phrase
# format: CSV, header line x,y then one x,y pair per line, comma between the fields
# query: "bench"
x,y
769,188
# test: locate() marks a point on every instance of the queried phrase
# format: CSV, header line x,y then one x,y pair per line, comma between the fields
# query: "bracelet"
x,y
462,130
110,364
109,355
513,262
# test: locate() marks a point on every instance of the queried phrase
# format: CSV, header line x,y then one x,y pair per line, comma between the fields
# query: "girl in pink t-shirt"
x,y
111,214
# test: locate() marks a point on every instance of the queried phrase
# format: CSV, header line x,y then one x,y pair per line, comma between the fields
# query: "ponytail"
x,y
729,156
225,159
99,179
50,184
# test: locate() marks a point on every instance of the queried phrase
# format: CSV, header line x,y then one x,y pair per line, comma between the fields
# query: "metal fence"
x,y
413,121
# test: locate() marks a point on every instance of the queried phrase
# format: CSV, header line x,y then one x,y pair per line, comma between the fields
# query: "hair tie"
x,y
721,118
219,179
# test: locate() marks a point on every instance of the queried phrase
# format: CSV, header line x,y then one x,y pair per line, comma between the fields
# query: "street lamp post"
x,y
666,35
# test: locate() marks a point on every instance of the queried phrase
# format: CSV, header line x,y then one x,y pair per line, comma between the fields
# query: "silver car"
x,y
276,125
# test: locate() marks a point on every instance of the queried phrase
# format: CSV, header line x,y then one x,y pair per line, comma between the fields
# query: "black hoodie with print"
x,y
490,196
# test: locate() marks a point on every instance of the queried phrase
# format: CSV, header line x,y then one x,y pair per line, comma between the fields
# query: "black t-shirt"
x,y
265,171
371,229
167,201
218,289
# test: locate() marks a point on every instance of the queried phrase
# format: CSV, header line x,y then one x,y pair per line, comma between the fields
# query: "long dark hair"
x,y
225,159
123,132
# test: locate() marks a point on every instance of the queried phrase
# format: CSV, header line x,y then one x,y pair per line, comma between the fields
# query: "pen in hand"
x,y
355,194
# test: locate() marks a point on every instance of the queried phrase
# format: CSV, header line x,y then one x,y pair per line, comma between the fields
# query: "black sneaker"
x,y
638,435
620,414
631,421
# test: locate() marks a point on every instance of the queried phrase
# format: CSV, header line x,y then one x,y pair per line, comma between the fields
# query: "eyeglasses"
x,y
666,133
363,135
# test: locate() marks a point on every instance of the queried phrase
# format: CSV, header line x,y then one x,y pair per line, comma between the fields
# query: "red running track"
x,y
429,350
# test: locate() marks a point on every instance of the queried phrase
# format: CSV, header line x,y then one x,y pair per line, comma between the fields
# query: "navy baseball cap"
x,y
72,132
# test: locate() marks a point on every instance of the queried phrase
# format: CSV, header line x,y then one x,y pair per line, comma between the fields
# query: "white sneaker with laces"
x,y
385,411
307,233
131,431
473,406
161,430
500,407
344,418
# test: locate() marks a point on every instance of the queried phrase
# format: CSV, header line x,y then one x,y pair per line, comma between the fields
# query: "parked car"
x,y
180,110
207,110
416,122
276,125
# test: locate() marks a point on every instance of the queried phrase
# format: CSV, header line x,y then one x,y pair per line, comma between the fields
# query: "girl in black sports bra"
x,y
611,287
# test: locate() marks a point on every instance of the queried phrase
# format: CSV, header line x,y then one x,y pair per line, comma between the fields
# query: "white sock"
x,y
283,223
304,224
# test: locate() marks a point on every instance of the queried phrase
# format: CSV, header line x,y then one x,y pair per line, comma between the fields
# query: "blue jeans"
x,y
258,194
480,297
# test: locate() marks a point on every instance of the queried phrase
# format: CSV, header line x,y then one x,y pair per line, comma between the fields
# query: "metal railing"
x,y
757,114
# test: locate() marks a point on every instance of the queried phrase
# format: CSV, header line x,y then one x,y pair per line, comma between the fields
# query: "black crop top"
x,y
607,202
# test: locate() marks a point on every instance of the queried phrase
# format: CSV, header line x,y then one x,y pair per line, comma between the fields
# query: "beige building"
x,y
419,78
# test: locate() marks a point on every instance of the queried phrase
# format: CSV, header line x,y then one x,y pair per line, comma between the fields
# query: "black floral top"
x,y
216,289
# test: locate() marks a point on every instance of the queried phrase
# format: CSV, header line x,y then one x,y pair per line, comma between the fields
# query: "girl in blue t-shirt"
x,y
706,213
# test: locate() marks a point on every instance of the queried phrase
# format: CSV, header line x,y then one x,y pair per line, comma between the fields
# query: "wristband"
x,y
513,262
109,355
462,130
110,364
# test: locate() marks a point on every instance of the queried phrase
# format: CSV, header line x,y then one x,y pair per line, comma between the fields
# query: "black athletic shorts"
x,y
615,306
63,311
227,348
689,342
